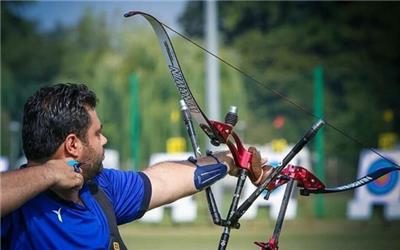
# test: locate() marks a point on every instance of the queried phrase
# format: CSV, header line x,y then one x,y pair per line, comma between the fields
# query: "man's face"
x,y
93,149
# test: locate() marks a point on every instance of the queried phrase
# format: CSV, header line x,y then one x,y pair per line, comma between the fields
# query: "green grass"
x,y
334,231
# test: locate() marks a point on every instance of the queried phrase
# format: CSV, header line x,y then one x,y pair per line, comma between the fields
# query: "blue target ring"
x,y
273,164
384,184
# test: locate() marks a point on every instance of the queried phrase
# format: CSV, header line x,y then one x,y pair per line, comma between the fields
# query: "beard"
x,y
92,163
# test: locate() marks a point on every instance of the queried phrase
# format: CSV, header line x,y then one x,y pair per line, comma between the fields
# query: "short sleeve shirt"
x,y
47,222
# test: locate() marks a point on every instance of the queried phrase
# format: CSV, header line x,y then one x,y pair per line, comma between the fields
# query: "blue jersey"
x,y
47,222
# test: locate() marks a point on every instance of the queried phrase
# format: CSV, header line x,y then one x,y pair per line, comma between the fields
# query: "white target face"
x,y
384,191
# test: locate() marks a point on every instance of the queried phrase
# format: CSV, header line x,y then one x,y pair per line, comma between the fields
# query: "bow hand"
x,y
259,170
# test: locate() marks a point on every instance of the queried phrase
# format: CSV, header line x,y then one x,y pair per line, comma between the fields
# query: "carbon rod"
x,y
282,210
212,205
223,243
295,150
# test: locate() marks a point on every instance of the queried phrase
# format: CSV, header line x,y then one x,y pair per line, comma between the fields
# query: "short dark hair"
x,y
51,114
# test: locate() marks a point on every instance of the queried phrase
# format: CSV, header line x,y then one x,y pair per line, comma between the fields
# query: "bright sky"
x,y
49,13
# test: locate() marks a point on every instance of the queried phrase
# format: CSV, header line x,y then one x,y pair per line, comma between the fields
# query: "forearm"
x,y
18,186
173,180
170,181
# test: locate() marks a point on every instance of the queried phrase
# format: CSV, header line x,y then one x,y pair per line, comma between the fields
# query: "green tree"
x,y
27,62
105,64
281,42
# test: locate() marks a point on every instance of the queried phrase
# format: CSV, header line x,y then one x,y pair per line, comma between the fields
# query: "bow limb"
x,y
308,188
178,77
218,132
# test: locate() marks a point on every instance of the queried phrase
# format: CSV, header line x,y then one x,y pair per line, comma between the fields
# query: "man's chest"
x,y
50,223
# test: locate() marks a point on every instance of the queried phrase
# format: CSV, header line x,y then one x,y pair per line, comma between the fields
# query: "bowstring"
x,y
282,96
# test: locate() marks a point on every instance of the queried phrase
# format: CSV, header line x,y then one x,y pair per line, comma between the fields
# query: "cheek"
x,y
86,155
99,145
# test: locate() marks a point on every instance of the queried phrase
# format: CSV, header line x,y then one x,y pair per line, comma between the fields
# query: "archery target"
x,y
384,191
384,184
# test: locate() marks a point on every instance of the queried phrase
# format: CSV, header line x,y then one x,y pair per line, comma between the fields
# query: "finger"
x,y
256,170
252,150
78,171
256,157
78,181
264,161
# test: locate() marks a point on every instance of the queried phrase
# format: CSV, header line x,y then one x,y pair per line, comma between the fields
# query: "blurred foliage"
x,y
103,56
28,60
277,43
281,43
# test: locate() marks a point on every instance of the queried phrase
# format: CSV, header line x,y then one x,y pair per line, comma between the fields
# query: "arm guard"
x,y
207,175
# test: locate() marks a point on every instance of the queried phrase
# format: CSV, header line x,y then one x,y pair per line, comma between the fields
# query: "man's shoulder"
x,y
108,176
112,173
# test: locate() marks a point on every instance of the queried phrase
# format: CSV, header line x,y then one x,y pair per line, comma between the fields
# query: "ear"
x,y
73,145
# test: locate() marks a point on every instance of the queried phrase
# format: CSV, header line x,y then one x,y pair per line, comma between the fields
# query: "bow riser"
x,y
304,178
240,154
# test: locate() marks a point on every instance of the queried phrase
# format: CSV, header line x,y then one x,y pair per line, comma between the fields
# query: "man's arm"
x,y
173,180
19,186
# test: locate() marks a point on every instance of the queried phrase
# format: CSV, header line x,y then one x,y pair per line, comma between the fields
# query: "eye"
x,y
98,132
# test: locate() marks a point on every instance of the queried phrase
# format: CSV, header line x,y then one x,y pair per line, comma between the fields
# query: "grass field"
x,y
333,232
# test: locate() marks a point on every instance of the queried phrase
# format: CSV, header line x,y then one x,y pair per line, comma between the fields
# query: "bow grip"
x,y
241,155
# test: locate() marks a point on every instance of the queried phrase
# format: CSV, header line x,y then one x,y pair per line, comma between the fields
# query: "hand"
x,y
259,170
226,158
64,176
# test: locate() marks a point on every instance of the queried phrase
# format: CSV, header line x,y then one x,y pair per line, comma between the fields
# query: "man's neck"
x,y
68,195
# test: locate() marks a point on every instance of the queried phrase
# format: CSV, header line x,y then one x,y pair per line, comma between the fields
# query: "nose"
x,y
104,139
